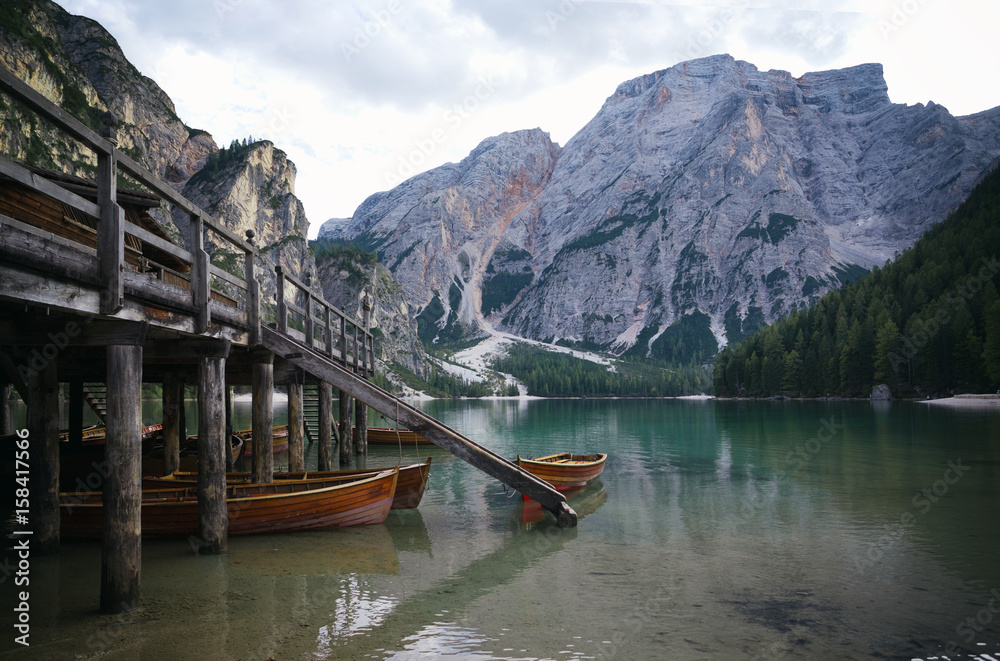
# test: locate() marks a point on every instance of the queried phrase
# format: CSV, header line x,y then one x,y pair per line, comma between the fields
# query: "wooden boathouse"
x,y
92,290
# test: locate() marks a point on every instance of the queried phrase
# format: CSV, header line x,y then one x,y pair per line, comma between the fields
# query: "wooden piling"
x,y
325,426
346,433
263,418
122,527
173,425
296,457
75,414
360,427
6,424
213,520
43,439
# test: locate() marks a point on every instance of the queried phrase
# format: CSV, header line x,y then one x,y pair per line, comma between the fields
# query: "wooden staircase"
x,y
310,412
356,385
96,396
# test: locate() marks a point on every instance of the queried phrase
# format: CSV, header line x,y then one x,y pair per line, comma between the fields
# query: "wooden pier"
x,y
92,291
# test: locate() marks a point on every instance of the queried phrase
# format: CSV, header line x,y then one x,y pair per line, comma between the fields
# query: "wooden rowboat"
x,y
96,435
388,436
565,471
409,490
279,440
253,509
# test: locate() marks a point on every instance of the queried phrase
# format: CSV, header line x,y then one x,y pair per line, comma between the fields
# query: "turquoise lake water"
x,y
735,530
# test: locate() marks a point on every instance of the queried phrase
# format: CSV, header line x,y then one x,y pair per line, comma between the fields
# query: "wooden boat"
x,y
388,436
409,490
279,439
96,435
565,471
259,508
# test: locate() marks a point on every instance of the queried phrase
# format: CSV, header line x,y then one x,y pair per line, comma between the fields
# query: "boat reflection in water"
x,y
585,500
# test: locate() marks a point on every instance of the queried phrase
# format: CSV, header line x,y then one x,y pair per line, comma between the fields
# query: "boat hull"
x,y
252,509
388,436
565,471
409,490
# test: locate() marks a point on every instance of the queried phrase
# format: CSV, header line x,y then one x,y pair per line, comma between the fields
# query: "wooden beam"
x,y
213,518
187,351
121,553
72,331
393,408
43,438
14,375
37,182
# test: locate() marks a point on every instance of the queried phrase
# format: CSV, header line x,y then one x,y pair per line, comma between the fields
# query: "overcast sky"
x,y
363,94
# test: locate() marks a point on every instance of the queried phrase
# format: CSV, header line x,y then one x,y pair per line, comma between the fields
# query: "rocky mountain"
x,y
700,202
78,65
345,275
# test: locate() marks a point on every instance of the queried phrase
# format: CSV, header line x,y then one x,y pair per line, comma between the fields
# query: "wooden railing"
x,y
110,273
323,327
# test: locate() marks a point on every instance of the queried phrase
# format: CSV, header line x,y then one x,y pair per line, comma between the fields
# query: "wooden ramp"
x,y
441,435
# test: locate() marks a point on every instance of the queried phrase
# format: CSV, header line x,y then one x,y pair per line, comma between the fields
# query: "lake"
x,y
736,530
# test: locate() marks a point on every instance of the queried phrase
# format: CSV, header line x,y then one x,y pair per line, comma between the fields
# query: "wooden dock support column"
x,y
213,518
75,414
121,551
346,433
296,456
325,426
263,418
360,427
6,424
43,439
360,407
173,421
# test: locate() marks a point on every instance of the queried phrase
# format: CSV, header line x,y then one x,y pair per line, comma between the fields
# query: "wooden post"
x,y
121,552
360,427
253,292
343,340
346,433
263,419
111,229
213,518
328,331
282,309
228,434
357,355
201,281
360,407
6,424
296,457
43,443
75,414
310,340
173,427
325,426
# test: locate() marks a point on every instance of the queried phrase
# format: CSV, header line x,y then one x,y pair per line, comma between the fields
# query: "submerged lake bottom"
x,y
736,530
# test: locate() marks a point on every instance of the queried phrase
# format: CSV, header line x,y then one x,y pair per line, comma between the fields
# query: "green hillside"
x,y
927,323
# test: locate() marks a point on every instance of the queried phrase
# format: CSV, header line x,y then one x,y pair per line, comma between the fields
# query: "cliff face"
x,y
710,192
344,279
78,65
438,231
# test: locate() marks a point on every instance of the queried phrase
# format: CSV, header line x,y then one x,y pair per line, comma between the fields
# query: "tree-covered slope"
x,y
929,322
